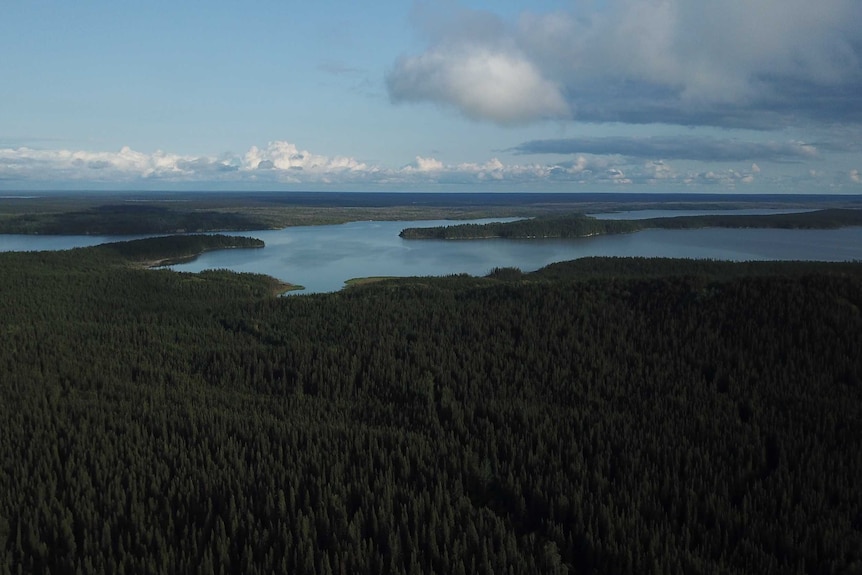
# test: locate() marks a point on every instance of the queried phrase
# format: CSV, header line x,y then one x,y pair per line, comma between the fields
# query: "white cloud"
x,y
855,176
728,179
281,155
617,176
79,164
760,64
579,165
483,82
424,165
659,171
278,157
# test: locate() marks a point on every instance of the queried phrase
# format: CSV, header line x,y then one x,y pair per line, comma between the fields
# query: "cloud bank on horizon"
x,y
762,95
281,165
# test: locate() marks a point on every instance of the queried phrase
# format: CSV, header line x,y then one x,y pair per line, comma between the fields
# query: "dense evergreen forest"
x,y
125,219
580,225
597,416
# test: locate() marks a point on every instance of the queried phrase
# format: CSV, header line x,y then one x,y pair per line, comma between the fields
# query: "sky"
x,y
741,96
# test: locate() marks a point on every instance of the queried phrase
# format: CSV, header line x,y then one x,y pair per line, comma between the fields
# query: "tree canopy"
x,y
598,416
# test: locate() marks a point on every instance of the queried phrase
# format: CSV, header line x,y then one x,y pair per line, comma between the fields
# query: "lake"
x,y
322,258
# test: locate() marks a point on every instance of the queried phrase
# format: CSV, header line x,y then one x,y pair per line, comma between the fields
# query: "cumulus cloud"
x,y
729,179
485,84
618,177
280,155
433,171
679,148
424,165
855,176
764,64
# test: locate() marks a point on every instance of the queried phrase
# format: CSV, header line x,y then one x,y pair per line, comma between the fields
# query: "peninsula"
x,y
579,225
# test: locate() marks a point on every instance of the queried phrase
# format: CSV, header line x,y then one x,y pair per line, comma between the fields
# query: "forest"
x,y
120,219
167,250
578,225
606,415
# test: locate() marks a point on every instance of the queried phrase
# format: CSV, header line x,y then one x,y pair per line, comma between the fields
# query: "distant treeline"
x,y
598,416
580,225
130,219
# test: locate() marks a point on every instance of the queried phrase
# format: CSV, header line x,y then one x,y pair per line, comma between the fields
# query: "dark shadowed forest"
x,y
597,416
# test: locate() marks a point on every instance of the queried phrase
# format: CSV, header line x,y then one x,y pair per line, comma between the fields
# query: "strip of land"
x,y
580,226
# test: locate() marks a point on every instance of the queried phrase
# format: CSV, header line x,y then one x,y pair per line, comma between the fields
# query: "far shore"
x,y
366,280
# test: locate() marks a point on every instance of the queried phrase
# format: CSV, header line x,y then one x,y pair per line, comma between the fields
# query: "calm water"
x,y
322,257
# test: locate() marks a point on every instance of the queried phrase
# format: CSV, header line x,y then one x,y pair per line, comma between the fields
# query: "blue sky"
x,y
616,95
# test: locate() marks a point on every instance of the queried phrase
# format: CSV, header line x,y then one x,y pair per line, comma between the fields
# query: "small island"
x,y
581,226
